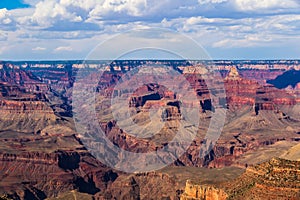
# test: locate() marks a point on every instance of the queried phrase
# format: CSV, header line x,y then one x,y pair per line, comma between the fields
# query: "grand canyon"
x,y
44,154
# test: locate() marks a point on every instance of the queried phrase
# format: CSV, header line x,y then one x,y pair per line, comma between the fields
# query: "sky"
x,y
226,29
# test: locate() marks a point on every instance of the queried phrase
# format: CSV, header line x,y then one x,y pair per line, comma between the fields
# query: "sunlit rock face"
x,y
233,74
202,192
274,179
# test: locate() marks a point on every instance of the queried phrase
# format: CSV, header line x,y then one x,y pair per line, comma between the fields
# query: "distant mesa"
x,y
199,69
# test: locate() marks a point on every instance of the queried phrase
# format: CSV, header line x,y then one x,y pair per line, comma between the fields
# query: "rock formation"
x,y
30,172
275,179
202,192
233,74
250,106
41,156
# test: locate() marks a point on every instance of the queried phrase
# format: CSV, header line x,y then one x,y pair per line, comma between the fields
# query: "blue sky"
x,y
12,4
227,29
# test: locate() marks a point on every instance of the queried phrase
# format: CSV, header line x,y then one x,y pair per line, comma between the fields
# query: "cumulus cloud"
x,y
269,5
227,33
47,12
214,23
130,7
62,15
5,17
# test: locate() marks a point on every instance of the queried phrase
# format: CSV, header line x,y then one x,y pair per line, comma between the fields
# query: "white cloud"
x,y
3,13
239,33
77,19
255,40
63,48
48,11
84,4
211,1
39,49
258,5
60,15
205,20
5,17
54,35
58,24
129,7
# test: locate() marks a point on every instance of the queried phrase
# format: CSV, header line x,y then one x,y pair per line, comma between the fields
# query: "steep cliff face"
x,y
199,84
34,172
40,156
260,75
151,185
202,192
9,106
27,115
27,104
21,78
242,91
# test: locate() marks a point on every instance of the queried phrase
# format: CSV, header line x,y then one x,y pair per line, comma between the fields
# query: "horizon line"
x,y
106,60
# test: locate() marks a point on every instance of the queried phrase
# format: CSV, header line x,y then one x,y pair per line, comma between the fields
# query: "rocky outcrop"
x,y
27,115
8,106
21,78
51,174
171,112
241,92
149,92
259,75
24,102
141,100
275,179
202,192
233,74
151,185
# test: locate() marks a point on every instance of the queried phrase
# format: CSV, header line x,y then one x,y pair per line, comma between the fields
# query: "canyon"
x,y
42,154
